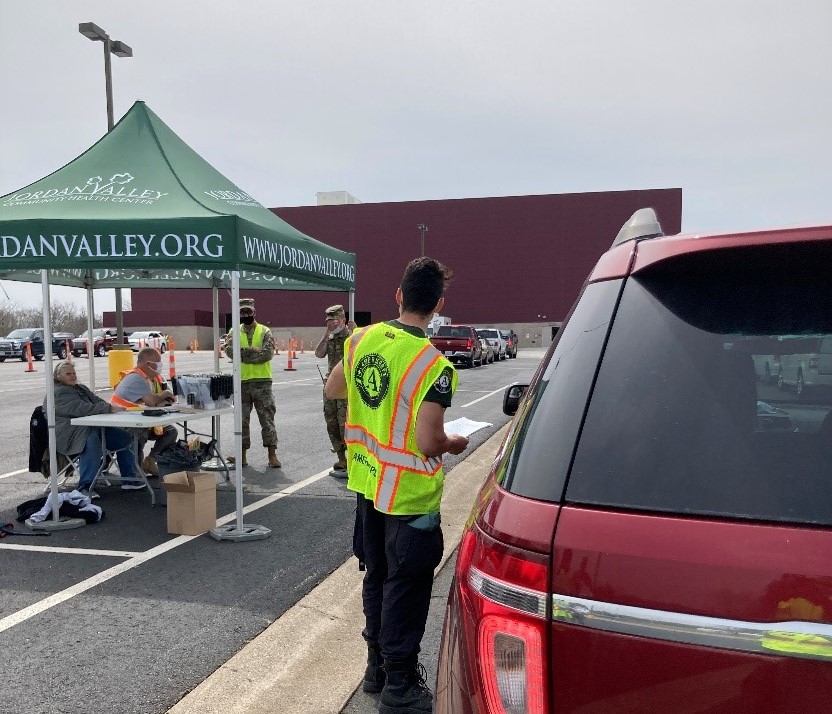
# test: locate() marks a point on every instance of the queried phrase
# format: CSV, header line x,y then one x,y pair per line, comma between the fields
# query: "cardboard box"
x,y
192,502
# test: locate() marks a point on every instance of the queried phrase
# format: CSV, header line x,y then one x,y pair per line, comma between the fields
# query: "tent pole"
x,y
239,531
56,523
352,305
216,463
215,302
50,395
90,338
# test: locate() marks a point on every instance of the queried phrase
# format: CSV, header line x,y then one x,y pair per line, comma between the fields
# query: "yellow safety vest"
x,y
389,372
254,371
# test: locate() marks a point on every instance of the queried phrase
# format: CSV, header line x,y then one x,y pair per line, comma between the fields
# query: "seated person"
x,y
144,386
75,400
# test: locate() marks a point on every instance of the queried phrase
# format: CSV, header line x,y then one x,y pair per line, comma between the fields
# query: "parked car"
x,y
16,342
459,343
511,342
492,334
805,363
103,341
650,537
148,338
488,356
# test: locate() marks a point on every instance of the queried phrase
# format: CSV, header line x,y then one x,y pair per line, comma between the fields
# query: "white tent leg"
x,y
57,523
239,531
90,338
216,464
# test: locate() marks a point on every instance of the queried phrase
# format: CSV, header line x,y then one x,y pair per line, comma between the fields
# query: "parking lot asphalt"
x,y
125,618
312,658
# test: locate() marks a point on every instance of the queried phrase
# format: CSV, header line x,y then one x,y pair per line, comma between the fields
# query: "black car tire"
x,y
61,352
470,362
2,359
101,351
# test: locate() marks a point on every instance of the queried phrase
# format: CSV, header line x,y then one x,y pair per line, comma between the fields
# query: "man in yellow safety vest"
x,y
256,352
397,388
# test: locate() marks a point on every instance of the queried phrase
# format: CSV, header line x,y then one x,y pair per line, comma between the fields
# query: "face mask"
x,y
155,366
247,319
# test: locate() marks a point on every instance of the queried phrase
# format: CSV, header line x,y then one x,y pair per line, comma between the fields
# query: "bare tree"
x,y
66,317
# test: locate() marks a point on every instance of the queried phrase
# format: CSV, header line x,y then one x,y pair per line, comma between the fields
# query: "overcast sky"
x,y
392,101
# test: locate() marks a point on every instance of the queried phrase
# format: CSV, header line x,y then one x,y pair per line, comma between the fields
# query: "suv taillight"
x,y
469,344
504,596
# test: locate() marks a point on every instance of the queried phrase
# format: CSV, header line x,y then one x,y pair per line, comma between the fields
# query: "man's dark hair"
x,y
423,283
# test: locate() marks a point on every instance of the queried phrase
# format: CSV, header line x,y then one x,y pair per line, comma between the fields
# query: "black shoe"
x,y
374,675
405,691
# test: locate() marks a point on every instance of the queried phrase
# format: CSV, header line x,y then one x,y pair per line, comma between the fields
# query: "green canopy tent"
x,y
140,209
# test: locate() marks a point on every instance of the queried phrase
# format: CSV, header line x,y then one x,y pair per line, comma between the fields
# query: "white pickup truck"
x,y
495,339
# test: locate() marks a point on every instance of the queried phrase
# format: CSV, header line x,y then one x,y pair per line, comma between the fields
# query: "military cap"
x,y
335,311
247,302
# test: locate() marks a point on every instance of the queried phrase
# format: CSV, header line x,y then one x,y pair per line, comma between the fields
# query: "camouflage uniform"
x,y
335,410
257,393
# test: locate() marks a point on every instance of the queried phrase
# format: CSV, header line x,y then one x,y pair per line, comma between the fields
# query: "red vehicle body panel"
x,y
704,567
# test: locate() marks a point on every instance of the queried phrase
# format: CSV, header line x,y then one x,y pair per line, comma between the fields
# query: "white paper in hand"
x,y
464,427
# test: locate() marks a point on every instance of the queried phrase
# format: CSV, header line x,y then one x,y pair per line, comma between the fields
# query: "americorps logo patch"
x,y
443,384
372,379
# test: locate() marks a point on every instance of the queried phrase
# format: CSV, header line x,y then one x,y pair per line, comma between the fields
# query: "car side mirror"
x,y
512,397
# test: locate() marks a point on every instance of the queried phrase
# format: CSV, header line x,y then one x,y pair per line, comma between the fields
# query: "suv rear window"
x,y
711,398
488,333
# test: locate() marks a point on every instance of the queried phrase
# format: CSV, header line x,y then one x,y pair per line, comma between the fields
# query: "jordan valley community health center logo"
x,y
372,379
113,190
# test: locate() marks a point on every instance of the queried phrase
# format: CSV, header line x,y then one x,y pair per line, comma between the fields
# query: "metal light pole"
x,y
93,32
422,230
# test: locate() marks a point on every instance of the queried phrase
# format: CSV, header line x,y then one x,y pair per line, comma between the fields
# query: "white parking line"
x,y
14,473
490,394
69,551
57,598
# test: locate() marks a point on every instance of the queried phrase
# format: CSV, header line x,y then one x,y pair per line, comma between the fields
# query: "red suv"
x,y
649,538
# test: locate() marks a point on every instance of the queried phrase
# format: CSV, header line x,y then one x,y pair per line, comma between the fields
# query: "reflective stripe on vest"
x,y
392,454
262,370
155,388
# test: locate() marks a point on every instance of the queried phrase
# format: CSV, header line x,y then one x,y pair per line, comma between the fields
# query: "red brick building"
x,y
518,260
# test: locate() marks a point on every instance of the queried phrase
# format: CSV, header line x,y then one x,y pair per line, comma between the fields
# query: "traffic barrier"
x,y
31,365
171,359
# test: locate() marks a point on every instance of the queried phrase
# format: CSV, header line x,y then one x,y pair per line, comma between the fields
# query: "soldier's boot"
x,y
274,462
405,691
341,464
233,460
374,674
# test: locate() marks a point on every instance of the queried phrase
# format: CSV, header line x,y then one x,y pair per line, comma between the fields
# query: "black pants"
x,y
400,561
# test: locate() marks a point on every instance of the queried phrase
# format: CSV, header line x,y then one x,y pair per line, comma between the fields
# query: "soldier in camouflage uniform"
x,y
331,346
256,352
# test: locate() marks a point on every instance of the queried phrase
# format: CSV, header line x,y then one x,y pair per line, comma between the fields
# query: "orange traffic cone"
x,y
191,346
31,366
301,346
171,360
289,367
68,350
